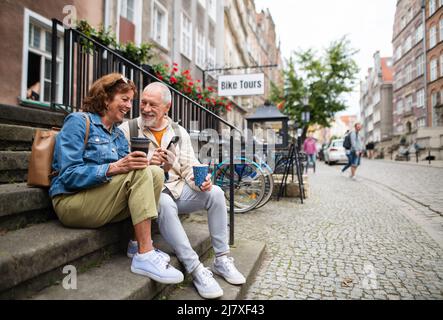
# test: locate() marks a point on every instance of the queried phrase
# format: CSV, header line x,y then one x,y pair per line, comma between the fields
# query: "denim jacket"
x,y
81,167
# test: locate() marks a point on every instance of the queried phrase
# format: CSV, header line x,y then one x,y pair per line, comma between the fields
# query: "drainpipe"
x,y
425,74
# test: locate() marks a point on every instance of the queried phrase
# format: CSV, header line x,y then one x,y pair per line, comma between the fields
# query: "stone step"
x,y
247,255
16,138
20,205
114,281
14,166
32,117
29,252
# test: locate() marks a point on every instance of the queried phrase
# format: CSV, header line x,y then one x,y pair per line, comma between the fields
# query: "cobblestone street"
x,y
374,238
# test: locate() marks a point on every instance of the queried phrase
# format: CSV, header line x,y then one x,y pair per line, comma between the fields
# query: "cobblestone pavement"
x,y
350,240
422,184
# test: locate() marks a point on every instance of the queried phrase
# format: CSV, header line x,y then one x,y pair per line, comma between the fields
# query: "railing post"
x,y
54,64
231,191
67,67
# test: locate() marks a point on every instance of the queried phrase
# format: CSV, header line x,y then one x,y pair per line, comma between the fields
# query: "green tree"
x,y
323,80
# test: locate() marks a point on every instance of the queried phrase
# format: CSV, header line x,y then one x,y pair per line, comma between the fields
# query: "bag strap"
x,y
88,125
133,128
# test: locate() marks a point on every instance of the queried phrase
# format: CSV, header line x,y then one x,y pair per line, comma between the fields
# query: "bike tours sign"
x,y
241,85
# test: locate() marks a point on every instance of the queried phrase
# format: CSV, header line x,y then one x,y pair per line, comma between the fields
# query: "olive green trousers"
x,y
135,194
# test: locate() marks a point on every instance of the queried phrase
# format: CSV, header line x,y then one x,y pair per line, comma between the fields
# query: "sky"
x,y
304,24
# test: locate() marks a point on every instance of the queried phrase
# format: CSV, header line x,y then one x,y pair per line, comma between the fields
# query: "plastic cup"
x,y
200,174
140,144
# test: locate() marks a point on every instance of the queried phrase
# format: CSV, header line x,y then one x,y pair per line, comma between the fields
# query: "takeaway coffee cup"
x,y
200,174
140,144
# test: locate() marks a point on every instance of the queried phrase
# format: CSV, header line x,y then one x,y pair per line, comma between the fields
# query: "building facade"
x,y
25,30
418,75
409,96
434,40
376,107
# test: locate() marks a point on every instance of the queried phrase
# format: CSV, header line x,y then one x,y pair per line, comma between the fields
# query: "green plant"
x,y
138,55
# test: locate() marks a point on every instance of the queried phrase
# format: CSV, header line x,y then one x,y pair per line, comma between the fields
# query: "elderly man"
x,y
181,195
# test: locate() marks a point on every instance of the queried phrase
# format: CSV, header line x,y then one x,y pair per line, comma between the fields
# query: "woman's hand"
x,y
134,161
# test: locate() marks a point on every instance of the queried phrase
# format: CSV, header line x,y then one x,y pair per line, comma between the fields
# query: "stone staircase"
x,y
35,247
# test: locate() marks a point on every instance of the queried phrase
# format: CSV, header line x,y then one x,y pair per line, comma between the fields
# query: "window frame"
x,y
158,7
184,34
46,26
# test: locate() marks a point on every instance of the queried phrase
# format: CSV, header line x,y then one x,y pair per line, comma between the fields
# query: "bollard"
x,y
429,156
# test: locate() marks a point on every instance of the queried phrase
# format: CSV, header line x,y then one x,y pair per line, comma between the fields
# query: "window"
x,y
211,56
38,72
400,107
186,43
127,9
408,104
441,65
408,73
403,22
408,44
434,99
212,9
432,7
421,122
432,37
441,30
419,33
410,14
420,98
160,24
200,50
420,61
397,54
433,73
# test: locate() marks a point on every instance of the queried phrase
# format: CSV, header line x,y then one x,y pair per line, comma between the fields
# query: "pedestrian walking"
x,y
356,149
310,148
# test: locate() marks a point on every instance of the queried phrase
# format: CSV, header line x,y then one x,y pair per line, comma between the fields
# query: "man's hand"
x,y
207,185
134,161
163,157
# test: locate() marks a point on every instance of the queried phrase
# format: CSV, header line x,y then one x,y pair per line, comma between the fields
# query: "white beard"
x,y
148,123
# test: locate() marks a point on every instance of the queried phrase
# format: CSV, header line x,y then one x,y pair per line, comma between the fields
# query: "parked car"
x,y
321,152
335,152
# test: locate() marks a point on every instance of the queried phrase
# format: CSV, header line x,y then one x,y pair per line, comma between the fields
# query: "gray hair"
x,y
166,93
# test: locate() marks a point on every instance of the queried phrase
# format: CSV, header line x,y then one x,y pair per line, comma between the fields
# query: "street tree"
x,y
323,80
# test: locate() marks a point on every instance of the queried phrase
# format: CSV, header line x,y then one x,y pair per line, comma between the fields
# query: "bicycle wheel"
x,y
249,184
269,186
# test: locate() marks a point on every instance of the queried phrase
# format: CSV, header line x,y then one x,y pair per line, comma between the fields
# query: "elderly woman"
x,y
99,182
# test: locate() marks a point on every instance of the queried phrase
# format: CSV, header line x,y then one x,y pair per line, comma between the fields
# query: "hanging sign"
x,y
241,85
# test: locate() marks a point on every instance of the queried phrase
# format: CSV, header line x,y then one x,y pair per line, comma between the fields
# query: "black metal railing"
x,y
85,60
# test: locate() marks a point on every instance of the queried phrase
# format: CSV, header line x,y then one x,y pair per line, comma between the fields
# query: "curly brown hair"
x,y
104,89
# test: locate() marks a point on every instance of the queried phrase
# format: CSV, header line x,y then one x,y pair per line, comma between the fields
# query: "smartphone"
x,y
174,141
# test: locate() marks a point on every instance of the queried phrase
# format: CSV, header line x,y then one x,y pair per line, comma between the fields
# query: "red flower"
x,y
160,77
210,89
166,65
174,70
186,72
191,84
200,96
173,80
175,64
229,107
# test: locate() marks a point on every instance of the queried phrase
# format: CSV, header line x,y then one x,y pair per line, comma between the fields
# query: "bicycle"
x,y
253,183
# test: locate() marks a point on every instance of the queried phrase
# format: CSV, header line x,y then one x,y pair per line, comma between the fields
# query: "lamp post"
x,y
306,114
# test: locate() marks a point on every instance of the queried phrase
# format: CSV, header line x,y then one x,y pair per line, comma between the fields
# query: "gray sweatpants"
x,y
191,201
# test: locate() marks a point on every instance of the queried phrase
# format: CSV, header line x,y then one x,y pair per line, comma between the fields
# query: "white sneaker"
x,y
133,250
224,266
152,265
205,283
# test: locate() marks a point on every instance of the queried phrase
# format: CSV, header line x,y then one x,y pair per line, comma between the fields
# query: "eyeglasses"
x,y
126,80
121,78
